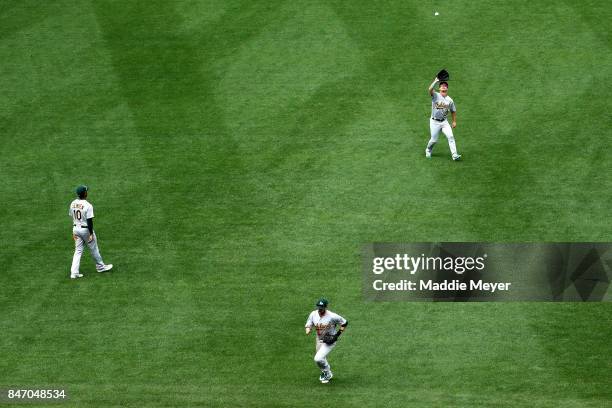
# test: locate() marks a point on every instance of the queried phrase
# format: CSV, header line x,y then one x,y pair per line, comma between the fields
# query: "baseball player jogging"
x,y
81,212
325,322
441,104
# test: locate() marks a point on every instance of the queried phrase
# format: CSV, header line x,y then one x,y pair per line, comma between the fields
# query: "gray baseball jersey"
x,y
440,106
80,211
326,323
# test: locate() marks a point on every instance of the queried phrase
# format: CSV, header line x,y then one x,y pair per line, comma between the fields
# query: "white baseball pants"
x,y
320,357
435,127
81,235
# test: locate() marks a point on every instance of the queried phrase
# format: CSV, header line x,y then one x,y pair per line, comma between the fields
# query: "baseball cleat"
x,y
76,276
456,157
428,153
322,376
107,267
327,376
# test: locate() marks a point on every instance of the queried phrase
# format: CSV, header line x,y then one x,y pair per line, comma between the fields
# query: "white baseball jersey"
x,y
80,211
441,105
326,323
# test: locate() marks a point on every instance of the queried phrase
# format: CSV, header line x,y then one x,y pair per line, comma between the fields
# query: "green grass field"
x,y
239,154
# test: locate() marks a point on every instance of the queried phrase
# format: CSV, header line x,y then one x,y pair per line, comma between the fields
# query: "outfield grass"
x,y
240,153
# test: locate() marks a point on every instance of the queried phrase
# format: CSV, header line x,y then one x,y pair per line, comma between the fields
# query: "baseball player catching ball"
x,y
81,212
325,322
441,104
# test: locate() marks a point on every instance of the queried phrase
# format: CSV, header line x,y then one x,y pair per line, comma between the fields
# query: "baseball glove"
x,y
329,338
443,75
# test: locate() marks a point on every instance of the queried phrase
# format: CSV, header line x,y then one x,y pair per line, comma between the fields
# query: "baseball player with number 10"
x,y
325,322
81,212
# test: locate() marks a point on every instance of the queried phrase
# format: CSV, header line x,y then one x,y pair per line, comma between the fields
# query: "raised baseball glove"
x,y
329,338
443,75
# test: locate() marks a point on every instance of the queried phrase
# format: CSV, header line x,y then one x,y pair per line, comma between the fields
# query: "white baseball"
x,y
436,13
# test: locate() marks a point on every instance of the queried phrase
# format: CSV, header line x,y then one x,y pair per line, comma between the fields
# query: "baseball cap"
x,y
322,303
81,189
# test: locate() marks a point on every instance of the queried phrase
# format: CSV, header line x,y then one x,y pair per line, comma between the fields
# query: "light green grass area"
x,y
239,154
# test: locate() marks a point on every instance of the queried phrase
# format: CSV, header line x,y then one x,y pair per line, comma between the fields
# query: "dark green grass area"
x,y
240,153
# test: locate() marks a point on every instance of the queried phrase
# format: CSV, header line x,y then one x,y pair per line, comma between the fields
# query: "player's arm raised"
x,y
433,84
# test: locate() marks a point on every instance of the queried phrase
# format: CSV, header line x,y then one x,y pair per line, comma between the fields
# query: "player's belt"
x,y
438,120
82,226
